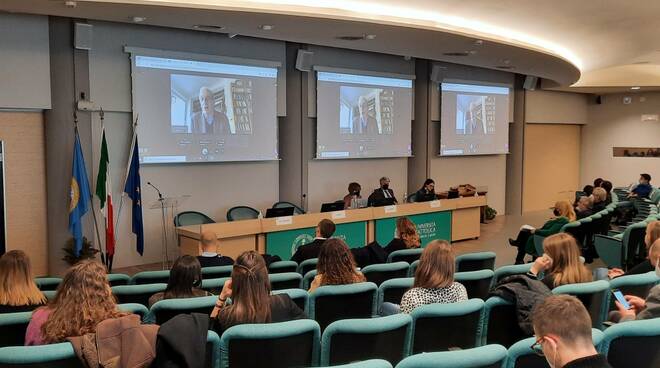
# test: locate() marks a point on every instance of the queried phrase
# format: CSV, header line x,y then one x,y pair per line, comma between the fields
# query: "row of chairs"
x,y
236,213
389,340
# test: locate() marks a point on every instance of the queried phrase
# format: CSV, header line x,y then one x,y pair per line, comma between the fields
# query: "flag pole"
x,y
128,168
91,196
104,260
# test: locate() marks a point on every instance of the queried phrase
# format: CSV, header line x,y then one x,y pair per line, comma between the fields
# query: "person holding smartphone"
x,y
637,307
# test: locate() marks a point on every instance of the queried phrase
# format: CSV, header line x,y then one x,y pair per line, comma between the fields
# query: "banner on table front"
x,y
285,243
430,226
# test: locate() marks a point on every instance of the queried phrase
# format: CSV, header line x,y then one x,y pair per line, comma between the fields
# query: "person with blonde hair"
x,y
652,235
599,196
563,214
18,292
406,236
83,299
560,262
434,279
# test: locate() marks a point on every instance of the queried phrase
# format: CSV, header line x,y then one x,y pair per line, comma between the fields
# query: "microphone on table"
x,y
160,195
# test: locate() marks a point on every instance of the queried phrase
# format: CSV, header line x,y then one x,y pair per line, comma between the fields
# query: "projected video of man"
x,y
209,120
365,111
475,115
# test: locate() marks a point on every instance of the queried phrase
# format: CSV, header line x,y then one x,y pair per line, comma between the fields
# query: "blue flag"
x,y
79,196
132,188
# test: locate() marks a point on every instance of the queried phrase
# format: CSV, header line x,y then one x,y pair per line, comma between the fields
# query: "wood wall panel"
x,y
25,187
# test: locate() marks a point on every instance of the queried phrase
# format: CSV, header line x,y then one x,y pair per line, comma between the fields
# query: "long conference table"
x,y
448,219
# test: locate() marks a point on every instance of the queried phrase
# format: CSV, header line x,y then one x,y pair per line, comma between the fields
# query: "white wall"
x,y
24,62
552,107
613,124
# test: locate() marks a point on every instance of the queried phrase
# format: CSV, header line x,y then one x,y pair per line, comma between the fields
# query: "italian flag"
x,y
104,192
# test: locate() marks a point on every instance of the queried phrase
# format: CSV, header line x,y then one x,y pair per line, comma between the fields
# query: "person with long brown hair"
x,y
560,262
252,302
563,214
434,279
336,266
406,236
18,292
184,282
83,299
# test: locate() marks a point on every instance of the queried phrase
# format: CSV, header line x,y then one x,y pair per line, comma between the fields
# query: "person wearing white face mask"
x,y
640,308
562,327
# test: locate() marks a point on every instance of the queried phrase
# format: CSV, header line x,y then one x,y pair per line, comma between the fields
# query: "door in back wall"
x,y
551,165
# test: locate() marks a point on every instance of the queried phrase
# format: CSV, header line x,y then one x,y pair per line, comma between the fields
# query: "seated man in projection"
x,y
364,123
209,120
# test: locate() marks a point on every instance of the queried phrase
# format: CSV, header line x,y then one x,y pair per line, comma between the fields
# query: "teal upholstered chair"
x,y
371,363
283,266
413,268
13,326
308,278
633,344
242,213
489,356
392,290
216,272
167,309
136,293
475,261
307,265
284,204
351,340
287,280
42,356
477,283
506,271
150,277
191,218
116,279
50,294
263,345
594,295
212,350
521,355
377,273
47,283
538,244
405,255
214,286
134,308
617,250
299,296
500,323
334,302
440,327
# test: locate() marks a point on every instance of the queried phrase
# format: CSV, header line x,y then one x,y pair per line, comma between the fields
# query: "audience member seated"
x,y
210,256
434,279
427,192
599,200
383,194
643,189
18,292
353,194
583,208
560,262
587,190
607,185
336,266
249,290
406,236
652,236
83,299
185,280
324,231
563,212
562,327
640,308
598,182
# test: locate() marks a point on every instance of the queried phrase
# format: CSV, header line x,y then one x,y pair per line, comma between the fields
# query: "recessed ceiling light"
x,y
369,36
266,27
208,27
138,19
478,42
635,88
505,67
457,53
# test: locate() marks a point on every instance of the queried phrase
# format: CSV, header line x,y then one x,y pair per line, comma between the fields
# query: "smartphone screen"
x,y
619,297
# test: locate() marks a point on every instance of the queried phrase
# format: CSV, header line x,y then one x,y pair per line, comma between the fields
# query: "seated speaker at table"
x,y
383,195
427,192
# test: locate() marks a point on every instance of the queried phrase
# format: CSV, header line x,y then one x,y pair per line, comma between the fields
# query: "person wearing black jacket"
x,y
324,230
427,192
210,256
383,195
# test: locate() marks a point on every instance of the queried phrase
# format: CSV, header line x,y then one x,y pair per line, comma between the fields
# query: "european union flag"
x,y
132,188
79,196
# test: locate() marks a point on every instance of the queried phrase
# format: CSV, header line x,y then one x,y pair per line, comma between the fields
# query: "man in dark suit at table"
x,y
324,230
383,195
210,256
